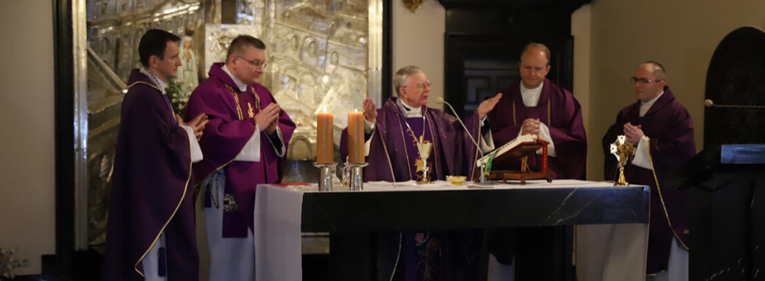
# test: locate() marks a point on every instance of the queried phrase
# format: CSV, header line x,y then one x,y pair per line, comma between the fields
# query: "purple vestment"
x,y
225,136
453,151
425,255
559,110
670,129
151,188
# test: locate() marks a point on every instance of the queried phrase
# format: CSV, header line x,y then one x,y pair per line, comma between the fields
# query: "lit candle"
x,y
325,145
356,137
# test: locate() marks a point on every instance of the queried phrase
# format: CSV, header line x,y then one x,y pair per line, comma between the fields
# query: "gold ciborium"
x,y
622,149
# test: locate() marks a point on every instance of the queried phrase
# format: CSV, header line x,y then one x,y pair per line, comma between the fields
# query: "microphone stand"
x,y
482,178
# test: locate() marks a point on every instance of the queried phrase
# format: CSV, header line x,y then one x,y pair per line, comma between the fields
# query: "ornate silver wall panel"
x,y
217,39
321,53
79,41
114,28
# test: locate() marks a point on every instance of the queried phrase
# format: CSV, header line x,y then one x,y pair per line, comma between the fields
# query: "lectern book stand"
x,y
515,153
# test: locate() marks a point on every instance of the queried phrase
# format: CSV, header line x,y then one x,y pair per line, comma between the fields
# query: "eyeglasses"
x,y
420,85
254,64
643,81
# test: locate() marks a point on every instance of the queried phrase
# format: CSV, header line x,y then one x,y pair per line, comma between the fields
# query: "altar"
x,y
282,212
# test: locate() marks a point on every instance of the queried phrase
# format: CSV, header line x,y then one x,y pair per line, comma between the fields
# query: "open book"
x,y
513,151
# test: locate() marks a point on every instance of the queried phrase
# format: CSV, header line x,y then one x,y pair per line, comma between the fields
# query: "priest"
x,y
535,105
151,212
662,129
245,145
392,135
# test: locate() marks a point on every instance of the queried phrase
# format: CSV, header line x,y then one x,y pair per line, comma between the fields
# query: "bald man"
x,y
662,129
535,105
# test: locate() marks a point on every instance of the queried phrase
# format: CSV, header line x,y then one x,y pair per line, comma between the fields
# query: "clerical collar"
x,y
409,111
651,102
239,84
159,83
531,96
645,106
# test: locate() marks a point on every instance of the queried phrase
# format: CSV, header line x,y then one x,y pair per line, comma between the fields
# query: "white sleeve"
x,y
369,126
367,144
196,151
251,150
487,141
544,133
280,152
642,154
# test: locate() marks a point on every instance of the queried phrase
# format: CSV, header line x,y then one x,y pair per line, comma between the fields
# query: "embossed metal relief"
x,y
114,29
319,57
217,39
320,53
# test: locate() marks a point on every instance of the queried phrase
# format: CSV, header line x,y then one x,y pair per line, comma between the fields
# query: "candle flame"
x,y
325,109
355,110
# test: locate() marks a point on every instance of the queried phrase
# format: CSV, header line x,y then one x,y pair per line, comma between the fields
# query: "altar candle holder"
x,y
326,173
356,182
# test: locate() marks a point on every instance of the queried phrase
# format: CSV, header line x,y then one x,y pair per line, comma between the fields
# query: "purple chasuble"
x,y
170,106
412,135
669,127
425,255
559,110
230,127
151,189
389,148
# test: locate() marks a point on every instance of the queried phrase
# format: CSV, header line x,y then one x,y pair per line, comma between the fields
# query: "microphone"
x,y
441,100
710,103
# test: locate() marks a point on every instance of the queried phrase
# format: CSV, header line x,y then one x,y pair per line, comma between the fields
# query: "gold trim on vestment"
x,y
515,123
406,151
236,99
185,188
654,274
385,147
661,197
549,115
145,83
435,144
241,118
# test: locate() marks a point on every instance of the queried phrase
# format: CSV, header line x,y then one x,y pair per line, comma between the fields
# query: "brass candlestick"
x,y
622,149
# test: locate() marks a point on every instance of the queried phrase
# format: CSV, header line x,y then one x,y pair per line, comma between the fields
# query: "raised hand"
x,y
370,109
487,105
